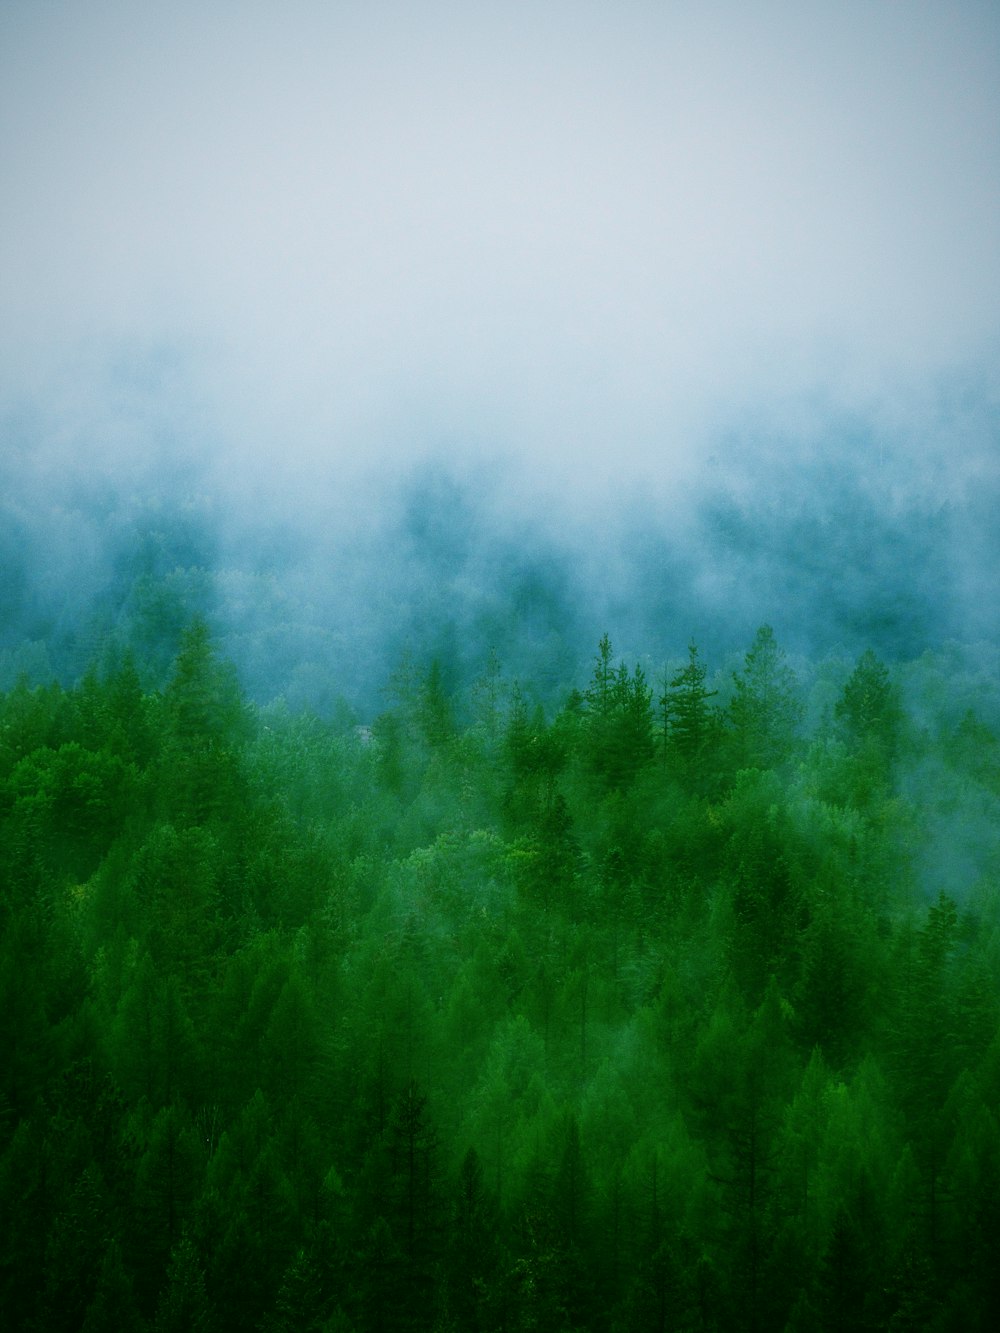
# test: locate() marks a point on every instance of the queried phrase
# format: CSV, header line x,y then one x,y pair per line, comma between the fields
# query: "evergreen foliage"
x,y
502,1020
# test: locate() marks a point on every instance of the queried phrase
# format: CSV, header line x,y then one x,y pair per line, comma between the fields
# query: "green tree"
x,y
253,1214
113,1308
207,723
29,1189
74,1251
173,878
765,709
552,866
768,912
600,693
130,715
183,1305
473,1252
29,1038
291,1048
301,1305
870,718
414,1203
618,730
926,1013
490,693
503,1103
152,1044
869,705
831,997
167,1182
845,1279
434,709
743,1075
691,724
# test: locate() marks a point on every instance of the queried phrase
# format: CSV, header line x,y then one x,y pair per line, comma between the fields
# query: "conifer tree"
x,y
690,720
765,709
869,713
183,1305
619,720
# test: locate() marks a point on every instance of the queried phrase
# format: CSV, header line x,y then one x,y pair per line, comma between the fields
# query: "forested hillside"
x,y
671,1006
499,667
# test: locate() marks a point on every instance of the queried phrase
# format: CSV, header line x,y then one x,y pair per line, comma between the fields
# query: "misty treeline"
x,y
314,592
669,1005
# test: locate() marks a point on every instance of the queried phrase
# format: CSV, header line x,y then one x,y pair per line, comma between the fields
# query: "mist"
x,y
370,328
858,533
499,664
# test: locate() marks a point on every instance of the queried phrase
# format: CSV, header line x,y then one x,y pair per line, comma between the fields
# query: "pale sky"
x,y
364,231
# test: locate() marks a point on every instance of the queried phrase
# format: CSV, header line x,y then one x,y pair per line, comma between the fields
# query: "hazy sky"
x,y
364,230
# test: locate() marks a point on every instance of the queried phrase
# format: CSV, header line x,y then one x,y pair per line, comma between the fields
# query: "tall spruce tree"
x,y
692,724
765,708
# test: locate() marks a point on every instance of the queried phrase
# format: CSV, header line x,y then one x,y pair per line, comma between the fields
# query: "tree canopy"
x,y
478,1015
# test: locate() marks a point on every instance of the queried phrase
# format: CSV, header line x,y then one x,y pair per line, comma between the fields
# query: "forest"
x,y
662,997
499,666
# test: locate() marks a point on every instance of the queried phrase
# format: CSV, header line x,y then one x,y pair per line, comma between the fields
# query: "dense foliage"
x,y
675,1008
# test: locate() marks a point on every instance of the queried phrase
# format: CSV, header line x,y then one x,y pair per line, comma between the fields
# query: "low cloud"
x,y
579,236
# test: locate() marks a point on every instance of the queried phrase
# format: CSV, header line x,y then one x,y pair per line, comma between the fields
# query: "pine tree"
x,y
167,1182
870,718
618,718
183,1305
113,1308
599,692
765,709
434,707
472,1251
207,724
691,722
